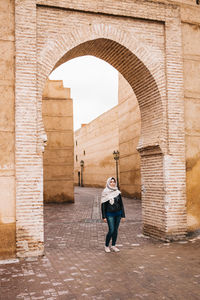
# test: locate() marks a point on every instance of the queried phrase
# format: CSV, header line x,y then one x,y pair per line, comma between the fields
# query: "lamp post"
x,y
116,158
82,165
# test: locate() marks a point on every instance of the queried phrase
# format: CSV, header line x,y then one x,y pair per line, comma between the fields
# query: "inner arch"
x,y
137,75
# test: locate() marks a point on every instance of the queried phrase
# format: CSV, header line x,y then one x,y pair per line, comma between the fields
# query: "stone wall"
x,y
98,142
7,130
59,153
146,36
94,144
129,134
190,17
191,55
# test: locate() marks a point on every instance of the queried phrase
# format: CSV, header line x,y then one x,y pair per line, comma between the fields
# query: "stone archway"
x,y
162,137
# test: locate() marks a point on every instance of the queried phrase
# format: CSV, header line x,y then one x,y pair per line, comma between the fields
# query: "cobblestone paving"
x,y
79,225
76,267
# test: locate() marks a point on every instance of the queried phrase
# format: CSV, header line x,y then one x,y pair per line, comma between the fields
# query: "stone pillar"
x,y
163,168
153,192
29,174
174,160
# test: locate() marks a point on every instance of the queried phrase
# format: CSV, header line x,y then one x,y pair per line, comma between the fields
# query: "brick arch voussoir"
x,y
58,47
54,50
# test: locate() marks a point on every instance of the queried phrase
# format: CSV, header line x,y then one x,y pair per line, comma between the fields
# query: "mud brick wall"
x,y
7,130
59,153
94,143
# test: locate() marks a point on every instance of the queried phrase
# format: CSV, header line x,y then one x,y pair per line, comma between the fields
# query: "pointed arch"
x,y
125,53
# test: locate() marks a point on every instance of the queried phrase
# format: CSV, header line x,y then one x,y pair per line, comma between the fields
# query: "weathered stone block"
x,y
193,192
130,162
192,116
58,191
61,123
191,77
54,90
6,151
7,240
191,39
7,20
57,108
58,156
64,172
192,147
59,139
7,197
7,114
7,62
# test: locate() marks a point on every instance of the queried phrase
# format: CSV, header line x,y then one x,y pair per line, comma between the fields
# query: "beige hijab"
x,y
109,193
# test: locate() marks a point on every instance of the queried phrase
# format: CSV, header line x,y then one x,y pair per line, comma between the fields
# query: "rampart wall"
x,y
191,63
117,129
7,130
129,134
58,157
94,143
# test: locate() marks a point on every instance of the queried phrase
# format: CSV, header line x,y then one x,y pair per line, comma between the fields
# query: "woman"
x,y
112,211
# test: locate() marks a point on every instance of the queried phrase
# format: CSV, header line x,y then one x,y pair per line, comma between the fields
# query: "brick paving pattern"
x,y
76,267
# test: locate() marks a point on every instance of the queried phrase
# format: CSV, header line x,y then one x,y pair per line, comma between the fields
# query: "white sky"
x,y
94,86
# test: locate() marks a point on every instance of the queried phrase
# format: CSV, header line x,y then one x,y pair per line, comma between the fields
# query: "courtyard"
x,y
75,265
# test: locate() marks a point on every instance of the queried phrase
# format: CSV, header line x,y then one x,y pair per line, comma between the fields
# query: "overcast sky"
x,y
94,86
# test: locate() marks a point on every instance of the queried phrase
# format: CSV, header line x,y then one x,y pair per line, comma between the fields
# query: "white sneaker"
x,y
115,249
107,249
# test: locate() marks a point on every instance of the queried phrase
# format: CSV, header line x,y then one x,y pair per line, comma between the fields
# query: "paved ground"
x,y
76,267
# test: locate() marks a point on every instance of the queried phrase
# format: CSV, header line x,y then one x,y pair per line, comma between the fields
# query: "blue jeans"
x,y
113,224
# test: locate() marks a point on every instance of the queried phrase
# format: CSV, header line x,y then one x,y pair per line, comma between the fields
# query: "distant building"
x,y
116,129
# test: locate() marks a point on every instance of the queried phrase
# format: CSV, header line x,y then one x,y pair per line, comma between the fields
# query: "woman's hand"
x,y
123,219
105,220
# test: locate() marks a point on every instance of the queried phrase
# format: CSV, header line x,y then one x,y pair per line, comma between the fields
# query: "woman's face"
x,y
112,183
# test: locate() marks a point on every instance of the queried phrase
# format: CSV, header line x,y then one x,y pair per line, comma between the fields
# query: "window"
x,y
83,152
76,157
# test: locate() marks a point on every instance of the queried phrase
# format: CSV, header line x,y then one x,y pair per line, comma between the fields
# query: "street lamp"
x,y
82,165
116,158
